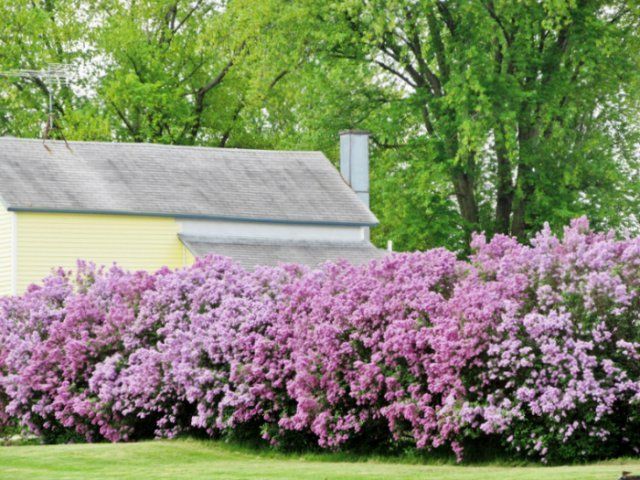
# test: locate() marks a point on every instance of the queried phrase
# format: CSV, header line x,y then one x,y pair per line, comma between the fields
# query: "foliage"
x,y
535,346
164,71
561,371
370,351
486,115
57,337
515,107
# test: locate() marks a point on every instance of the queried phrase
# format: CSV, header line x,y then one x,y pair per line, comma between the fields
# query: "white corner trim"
x,y
184,255
14,253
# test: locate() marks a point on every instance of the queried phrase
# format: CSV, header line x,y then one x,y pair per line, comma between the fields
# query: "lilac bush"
x,y
199,343
376,345
561,376
55,338
536,346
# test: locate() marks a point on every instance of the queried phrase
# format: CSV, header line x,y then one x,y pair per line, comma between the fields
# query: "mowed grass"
x,y
196,460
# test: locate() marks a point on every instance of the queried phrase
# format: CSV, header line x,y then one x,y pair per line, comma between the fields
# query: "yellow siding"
x,y
49,240
6,236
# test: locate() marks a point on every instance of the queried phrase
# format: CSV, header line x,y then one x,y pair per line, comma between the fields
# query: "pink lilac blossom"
x,y
538,346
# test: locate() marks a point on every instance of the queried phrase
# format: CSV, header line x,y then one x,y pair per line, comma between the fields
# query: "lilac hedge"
x,y
535,346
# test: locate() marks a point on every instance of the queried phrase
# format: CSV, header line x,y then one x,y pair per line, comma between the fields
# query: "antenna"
x,y
56,74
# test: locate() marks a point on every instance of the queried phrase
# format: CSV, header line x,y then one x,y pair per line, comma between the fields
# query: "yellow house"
x,y
146,206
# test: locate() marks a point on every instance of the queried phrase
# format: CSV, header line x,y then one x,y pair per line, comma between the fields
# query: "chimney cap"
x,y
355,132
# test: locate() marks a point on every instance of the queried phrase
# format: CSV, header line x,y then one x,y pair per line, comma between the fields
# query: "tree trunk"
x,y
525,185
505,190
519,224
465,194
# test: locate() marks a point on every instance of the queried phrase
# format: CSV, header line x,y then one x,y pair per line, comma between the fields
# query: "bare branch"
x,y
415,45
202,92
438,45
446,16
277,79
488,5
188,15
215,81
132,130
393,50
395,72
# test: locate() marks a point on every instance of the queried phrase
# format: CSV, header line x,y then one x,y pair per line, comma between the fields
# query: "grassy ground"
x,y
194,460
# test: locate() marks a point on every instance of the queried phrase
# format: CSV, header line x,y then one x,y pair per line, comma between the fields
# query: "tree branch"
x,y
234,118
241,105
277,79
132,130
415,45
438,46
392,50
166,32
426,117
488,5
215,81
395,72
188,15
202,92
446,16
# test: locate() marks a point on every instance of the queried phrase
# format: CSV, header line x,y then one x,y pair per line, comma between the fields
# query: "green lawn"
x,y
193,460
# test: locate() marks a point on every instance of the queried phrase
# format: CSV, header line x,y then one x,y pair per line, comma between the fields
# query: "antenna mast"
x,y
56,74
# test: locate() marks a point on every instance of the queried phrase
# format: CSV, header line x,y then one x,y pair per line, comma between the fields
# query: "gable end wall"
x,y
49,240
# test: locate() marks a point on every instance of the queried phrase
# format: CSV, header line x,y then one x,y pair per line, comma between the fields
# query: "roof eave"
x,y
199,217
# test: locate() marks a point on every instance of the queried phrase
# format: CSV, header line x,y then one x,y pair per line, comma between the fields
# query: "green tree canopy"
x,y
500,115
485,114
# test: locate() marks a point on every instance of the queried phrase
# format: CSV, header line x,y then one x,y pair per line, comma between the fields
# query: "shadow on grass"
x,y
481,452
486,451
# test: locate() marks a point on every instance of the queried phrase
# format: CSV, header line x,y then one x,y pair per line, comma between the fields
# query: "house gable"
x,y
50,240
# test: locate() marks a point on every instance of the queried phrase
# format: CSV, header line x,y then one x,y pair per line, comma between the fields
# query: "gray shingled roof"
x,y
250,252
176,181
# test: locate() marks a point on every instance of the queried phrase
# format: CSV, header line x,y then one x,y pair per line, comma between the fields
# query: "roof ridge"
x,y
158,145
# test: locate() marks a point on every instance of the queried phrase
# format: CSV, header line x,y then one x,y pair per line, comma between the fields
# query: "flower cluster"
x,y
537,346
560,376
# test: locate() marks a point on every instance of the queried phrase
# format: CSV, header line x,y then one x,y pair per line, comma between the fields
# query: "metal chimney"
x,y
354,162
